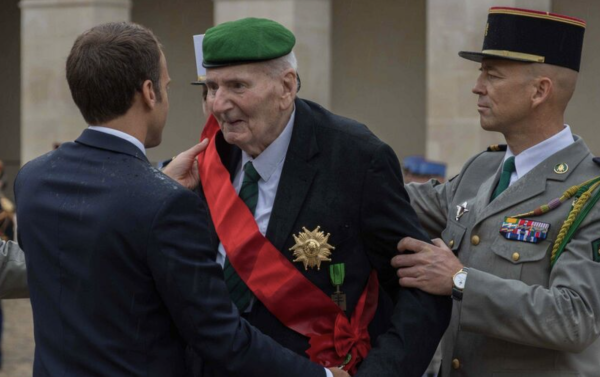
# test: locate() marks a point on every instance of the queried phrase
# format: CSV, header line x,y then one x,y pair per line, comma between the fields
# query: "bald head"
x,y
564,81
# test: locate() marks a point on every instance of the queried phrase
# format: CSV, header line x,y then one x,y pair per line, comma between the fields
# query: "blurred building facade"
x,y
391,64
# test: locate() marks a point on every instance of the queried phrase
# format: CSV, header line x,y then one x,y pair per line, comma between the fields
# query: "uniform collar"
x,y
532,157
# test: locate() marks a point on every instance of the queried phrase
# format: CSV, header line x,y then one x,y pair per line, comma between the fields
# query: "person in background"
x,y
13,274
201,71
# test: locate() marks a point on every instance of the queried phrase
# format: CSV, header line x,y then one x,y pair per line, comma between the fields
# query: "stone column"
x,y
310,21
453,130
48,30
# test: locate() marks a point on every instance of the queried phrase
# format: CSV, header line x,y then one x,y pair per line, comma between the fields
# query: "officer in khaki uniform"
x,y
518,257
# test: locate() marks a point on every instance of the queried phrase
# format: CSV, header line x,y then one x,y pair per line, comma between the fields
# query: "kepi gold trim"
x,y
546,16
515,55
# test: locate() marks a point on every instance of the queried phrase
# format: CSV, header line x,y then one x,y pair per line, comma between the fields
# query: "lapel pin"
x,y
561,168
461,210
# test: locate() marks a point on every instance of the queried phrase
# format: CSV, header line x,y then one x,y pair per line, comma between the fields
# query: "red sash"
x,y
275,281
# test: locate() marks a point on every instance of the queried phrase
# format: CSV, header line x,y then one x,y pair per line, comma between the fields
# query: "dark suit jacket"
x,y
122,273
339,176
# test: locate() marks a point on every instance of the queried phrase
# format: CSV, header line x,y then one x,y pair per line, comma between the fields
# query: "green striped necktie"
x,y
238,290
507,169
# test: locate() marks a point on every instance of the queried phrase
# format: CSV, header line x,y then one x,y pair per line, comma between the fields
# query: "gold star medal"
x,y
311,248
337,273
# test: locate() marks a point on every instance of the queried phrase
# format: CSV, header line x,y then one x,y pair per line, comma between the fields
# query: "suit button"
x,y
516,256
451,243
475,240
455,364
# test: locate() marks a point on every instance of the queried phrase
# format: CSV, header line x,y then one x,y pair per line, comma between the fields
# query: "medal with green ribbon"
x,y
337,273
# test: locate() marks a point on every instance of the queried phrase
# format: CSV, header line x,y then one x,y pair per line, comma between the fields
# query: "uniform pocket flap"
x,y
519,251
453,234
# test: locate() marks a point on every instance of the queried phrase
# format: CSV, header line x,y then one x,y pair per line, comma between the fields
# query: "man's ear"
x,y
543,90
148,95
289,81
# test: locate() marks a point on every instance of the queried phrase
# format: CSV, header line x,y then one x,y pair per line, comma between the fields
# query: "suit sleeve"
x,y
563,316
192,287
419,319
13,273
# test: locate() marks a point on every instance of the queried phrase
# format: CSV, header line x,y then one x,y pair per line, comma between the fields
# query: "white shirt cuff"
x,y
329,374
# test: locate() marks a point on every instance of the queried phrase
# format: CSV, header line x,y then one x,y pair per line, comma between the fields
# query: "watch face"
x,y
460,279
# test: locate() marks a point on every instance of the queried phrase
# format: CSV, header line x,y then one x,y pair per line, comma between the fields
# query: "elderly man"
x,y
306,245
525,282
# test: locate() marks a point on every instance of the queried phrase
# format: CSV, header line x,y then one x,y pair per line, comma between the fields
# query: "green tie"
x,y
238,290
507,170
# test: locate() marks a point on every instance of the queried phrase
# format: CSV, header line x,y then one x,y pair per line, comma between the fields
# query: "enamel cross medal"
x,y
337,274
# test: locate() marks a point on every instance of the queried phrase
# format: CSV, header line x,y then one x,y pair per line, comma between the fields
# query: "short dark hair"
x,y
108,64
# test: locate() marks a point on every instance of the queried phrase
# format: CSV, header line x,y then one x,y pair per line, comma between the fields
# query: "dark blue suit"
x,y
122,272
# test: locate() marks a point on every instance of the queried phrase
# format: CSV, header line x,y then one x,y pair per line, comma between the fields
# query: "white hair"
x,y
276,66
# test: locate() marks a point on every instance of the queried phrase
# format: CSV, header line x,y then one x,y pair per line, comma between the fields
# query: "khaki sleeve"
x,y
430,201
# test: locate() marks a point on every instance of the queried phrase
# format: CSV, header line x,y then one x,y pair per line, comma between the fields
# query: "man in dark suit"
x,y
120,268
328,210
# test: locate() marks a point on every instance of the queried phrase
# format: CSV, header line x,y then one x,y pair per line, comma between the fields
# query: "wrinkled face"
x,y
505,90
246,102
161,110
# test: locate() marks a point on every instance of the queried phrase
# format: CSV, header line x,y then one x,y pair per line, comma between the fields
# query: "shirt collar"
x,y
120,134
267,162
532,157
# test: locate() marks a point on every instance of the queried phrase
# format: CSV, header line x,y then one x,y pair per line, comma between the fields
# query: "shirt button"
x,y
455,364
475,240
451,243
516,256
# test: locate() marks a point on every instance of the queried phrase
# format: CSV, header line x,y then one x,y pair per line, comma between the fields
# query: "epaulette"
x,y
497,148
597,160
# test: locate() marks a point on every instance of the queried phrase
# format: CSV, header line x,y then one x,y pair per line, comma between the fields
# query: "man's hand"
x,y
184,167
337,372
430,268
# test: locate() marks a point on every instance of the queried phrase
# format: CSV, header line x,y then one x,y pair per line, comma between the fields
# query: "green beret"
x,y
245,41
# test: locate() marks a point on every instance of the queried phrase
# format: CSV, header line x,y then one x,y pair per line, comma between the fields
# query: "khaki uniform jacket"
x,y
518,316
13,273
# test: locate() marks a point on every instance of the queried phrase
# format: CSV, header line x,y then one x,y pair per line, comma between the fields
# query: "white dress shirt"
x,y
120,134
269,165
532,157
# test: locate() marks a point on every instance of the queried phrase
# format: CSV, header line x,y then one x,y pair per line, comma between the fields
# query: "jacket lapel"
x,y
534,182
485,191
296,178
